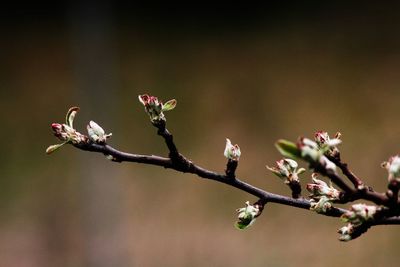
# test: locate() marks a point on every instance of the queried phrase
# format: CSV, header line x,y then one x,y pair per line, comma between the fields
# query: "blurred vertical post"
x,y
94,55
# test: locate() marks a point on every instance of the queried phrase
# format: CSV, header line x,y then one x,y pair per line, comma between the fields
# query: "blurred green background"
x,y
252,73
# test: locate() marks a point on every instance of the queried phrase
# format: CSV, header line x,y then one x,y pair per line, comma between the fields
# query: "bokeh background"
x,y
253,73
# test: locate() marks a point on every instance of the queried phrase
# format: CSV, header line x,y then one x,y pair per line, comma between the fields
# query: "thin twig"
x,y
351,194
357,182
336,179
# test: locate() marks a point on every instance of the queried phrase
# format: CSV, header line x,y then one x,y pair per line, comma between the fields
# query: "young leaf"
x,y
170,105
69,120
240,226
288,149
53,148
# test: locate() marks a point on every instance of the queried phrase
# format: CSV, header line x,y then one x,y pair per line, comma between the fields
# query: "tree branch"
x,y
264,196
119,156
322,155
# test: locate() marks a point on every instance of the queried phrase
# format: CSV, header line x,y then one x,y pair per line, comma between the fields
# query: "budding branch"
x,y
359,216
186,166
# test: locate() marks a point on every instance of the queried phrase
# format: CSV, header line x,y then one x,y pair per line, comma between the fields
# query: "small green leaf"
x,y
275,171
53,148
240,226
170,105
300,171
69,120
288,149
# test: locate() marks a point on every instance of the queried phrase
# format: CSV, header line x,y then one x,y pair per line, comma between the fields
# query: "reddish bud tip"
x,y
56,126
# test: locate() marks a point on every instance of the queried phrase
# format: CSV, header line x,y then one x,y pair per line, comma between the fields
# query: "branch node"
x,y
393,192
260,204
295,187
231,168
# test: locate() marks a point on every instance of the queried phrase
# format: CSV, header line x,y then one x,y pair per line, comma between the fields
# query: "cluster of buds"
x,y
393,168
247,215
232,152
66,132
155,108
359,213
321,145
287,170
96,133
309,149
321,205
326,144
312,152
319,188
322,195
356,216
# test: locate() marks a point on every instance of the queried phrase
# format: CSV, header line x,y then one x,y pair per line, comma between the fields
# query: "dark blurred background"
x,y
254,73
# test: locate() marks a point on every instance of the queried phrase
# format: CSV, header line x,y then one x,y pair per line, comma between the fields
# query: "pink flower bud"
x,y
287,169
154,108
319,188
232,152
144,99
321,137
56,127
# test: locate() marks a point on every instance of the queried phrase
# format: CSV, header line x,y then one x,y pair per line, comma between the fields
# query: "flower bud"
x,y
96,133
346,232
66,132
59,131
321,138
319,188
232,152
393,167
287,169
365,211
56,127
311,152
309,149
322,205
359,213
155,108
247,216
326,144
